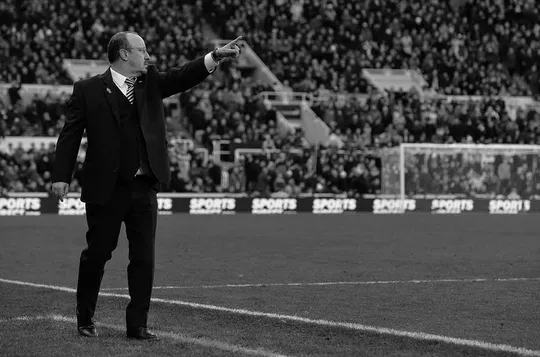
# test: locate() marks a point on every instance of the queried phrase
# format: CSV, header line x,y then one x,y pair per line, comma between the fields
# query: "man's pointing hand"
x,y
230,50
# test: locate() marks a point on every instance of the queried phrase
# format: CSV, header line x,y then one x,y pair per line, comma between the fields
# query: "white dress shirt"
x,y
120,81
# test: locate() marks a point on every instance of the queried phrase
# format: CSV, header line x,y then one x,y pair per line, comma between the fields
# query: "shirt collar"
x,y
118,78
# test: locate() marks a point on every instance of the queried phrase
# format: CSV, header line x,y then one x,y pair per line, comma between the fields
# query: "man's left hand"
x,y
230,50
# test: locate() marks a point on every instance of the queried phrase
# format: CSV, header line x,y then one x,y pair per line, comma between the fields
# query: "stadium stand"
x,y
481,48
379,123
478,48
513,176
463,47
39,34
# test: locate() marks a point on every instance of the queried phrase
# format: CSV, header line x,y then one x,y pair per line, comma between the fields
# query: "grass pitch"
x,y
248,263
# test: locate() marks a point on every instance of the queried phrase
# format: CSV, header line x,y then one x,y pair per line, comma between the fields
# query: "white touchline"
x,y
23,318
327,323
204,342
330,283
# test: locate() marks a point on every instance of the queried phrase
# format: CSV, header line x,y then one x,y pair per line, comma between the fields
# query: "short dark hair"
x,y
117,42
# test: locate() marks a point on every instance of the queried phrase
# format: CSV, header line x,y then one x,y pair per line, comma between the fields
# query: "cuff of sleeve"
x,y
209,63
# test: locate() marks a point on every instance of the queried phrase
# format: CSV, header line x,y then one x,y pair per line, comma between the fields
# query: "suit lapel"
x,y
108,88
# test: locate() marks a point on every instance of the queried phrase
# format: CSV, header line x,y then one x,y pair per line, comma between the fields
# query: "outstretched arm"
x,y
180,79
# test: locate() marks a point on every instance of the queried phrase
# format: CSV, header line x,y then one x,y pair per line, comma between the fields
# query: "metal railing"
x,y
286,97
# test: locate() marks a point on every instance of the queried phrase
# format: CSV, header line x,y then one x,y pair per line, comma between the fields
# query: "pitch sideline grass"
x,y
387,334
245,249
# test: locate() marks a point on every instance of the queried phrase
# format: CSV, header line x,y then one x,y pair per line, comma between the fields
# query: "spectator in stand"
x,y
14,95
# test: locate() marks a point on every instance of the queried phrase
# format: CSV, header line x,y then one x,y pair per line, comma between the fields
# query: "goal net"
x,y
461,170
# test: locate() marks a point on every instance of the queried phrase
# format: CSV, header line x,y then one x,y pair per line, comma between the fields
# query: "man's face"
x,y
137,57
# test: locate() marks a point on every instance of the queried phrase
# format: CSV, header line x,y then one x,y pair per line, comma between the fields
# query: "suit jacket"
x,y
92,107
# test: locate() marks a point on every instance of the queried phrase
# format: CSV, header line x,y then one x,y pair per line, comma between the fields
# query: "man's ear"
x,y
123,54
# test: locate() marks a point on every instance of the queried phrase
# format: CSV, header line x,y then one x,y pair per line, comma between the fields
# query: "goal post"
x,y
461,170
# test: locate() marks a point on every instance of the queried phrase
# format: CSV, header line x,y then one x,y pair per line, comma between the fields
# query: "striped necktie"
x,y
130,83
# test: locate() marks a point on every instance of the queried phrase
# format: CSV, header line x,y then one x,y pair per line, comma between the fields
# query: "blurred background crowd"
x,y
488,48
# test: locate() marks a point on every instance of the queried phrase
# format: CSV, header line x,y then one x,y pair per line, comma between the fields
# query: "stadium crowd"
x,y
35,36
217,112
470,47
483,47
475,47
380,122
474,174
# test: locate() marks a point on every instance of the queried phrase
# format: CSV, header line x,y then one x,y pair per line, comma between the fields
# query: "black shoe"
x,y
141,333
87,331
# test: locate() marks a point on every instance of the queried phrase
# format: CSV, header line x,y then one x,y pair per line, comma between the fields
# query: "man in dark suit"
x,y
126,160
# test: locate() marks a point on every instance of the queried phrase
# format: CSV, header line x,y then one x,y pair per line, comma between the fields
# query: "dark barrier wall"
x,y
32,206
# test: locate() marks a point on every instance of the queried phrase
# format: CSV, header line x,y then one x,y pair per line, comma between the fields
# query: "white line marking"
x,y
44,286
23,318
327,323
330,283
204,342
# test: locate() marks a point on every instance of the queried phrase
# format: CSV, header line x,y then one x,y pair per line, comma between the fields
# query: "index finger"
x,y
233,42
